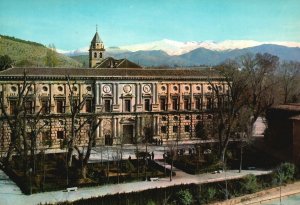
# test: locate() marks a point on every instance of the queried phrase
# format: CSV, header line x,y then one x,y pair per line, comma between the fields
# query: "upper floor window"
x,y
198,103
13,107
95,55
147,104
88,105
163,106
29,106
186,104
100,55
45,106
209,105
127,105
107,105
60,105
175,104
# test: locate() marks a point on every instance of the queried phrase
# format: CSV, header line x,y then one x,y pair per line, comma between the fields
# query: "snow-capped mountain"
x,y
178,48
173,48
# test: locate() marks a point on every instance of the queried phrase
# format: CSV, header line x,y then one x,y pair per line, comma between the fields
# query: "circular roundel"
x,y
13,88
146,88
45,88
88,88
175,88
163,88
106,89
127,88
60,88
186,88
198,88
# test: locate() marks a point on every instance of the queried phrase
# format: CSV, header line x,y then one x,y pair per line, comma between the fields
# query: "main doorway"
x,y
127,134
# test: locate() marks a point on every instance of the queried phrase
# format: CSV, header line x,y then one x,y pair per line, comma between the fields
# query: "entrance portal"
x,y
127,134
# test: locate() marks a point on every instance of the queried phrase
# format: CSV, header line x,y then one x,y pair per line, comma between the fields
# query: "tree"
x,y
259,71
249,85
230,101
85,152
288,73
5,62
51,56
24,123
76,105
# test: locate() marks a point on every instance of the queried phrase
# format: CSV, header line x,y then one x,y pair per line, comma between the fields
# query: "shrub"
x,y
249,184
210,194
184,197
285,173
151,202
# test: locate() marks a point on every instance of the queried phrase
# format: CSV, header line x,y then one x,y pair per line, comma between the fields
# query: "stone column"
x,y
117,93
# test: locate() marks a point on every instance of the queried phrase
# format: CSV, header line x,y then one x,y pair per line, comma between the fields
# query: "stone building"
x,y
132,104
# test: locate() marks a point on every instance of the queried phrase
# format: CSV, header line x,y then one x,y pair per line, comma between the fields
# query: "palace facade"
x,y
129,102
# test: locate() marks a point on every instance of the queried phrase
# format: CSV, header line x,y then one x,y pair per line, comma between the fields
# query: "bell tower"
x,y
96,51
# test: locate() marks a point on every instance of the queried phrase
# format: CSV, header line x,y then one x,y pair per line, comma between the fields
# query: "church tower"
x,y
96,52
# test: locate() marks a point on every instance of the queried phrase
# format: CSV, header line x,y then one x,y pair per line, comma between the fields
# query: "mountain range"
x,y
176,54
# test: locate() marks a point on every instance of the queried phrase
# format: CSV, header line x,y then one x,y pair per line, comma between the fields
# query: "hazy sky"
x,y
70,24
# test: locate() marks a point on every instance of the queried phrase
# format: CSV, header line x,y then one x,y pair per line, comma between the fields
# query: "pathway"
x,y
11,194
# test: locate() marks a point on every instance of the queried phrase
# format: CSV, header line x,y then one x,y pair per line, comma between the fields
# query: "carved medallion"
x,y
147,88
106,89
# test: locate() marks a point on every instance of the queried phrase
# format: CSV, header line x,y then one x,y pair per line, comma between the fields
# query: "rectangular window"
x,y
163,106
175,104
175,129
88,105
60,105
13,107
198,103
74,103
107,105
45,106
186,128
187,104
147,105
127,105
208,103
220,102
163,129
29,106
60,134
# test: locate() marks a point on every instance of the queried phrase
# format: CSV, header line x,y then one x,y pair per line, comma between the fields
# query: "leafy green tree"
x,y
5,62
51,56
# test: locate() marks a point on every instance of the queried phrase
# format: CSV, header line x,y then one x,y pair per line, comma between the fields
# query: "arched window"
x,y
100,55
95,55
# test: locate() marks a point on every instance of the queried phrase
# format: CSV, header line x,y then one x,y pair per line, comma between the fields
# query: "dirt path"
x,y
264,196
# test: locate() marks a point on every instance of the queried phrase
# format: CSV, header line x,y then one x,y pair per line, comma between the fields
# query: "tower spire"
x,y
96,27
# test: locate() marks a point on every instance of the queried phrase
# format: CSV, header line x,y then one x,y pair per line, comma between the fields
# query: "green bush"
x,y
285,173
210,194
249,184
184,197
